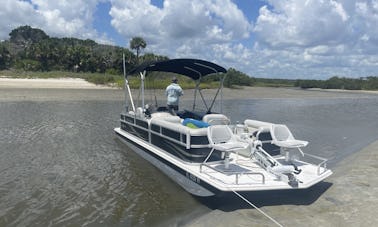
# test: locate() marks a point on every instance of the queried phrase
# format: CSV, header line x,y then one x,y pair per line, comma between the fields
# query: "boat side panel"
x,y
170,140
137,131
141,123
171,134
189,182
195,155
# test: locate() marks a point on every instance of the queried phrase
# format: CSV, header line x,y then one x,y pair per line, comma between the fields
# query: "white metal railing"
x,y
322,164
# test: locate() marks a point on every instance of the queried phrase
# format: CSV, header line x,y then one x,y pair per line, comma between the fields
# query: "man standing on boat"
x,y
173,92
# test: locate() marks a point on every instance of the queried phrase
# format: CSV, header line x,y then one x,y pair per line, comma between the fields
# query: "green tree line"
x,y
363,83
31,49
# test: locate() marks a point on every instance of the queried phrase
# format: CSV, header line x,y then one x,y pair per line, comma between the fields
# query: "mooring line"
x,y
258,209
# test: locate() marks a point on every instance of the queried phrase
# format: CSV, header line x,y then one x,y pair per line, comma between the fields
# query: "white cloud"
x,y
367,21
181,27
288,38
301,23
68,18
14,14
57,18
319,38
135,18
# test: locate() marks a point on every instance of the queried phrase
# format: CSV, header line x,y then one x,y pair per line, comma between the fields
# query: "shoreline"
x,y
12,89
57,83
79,83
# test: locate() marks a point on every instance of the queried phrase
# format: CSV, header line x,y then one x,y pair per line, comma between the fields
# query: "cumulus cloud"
x,y
57,18
181,27
366,23
292,38
301,23
67,17
286,38
135,18
14,14
327,37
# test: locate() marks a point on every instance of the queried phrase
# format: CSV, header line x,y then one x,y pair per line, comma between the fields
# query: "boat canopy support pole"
x,y
221,99
127,87
212,103
216,95
203,99
199,91
195,94
142,76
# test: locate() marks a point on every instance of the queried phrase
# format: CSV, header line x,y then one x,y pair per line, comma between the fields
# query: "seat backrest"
x,y
219,134
281,133
216,119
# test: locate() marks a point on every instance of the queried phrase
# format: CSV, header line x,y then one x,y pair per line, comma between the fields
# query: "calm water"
x,y
62,165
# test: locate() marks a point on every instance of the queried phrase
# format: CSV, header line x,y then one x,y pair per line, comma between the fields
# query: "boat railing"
x,y
229,172
319,162
321,166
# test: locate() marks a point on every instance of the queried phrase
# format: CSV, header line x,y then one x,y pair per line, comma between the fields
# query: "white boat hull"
x,y
206,182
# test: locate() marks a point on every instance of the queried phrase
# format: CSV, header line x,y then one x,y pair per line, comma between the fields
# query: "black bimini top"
x,y
193,68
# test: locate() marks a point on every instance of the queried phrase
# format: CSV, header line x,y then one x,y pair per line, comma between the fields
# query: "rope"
x,y
258,209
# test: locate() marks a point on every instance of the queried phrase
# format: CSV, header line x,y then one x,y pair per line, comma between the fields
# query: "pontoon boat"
x,y
206,154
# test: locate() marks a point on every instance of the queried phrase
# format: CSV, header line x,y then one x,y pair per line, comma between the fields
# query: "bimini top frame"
x,y
192,68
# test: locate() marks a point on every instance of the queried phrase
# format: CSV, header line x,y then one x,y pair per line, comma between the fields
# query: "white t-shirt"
x,y
173,92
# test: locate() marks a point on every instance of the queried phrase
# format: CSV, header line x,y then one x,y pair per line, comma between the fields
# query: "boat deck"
x,y
244,174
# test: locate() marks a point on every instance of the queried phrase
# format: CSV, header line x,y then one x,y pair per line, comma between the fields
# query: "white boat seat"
x,y
282,137
221,138
216,119
230,146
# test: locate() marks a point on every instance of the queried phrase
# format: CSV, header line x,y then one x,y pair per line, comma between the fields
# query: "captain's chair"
x,y
282,137
222,139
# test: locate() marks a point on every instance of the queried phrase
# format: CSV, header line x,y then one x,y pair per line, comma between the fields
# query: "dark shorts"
x,y
172,109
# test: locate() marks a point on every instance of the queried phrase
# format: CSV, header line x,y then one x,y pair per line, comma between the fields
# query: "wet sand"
x,y
347,198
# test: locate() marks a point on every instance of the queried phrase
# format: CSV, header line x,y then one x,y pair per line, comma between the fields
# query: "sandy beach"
x,y
347,198
55,89
79,89
62,83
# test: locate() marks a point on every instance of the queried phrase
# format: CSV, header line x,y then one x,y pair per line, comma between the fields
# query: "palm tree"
x,y
137,43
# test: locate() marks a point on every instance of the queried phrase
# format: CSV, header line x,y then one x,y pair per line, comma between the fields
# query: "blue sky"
x,y
102,23
309,39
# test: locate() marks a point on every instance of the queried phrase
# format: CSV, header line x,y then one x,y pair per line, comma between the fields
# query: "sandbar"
x,y
12,89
